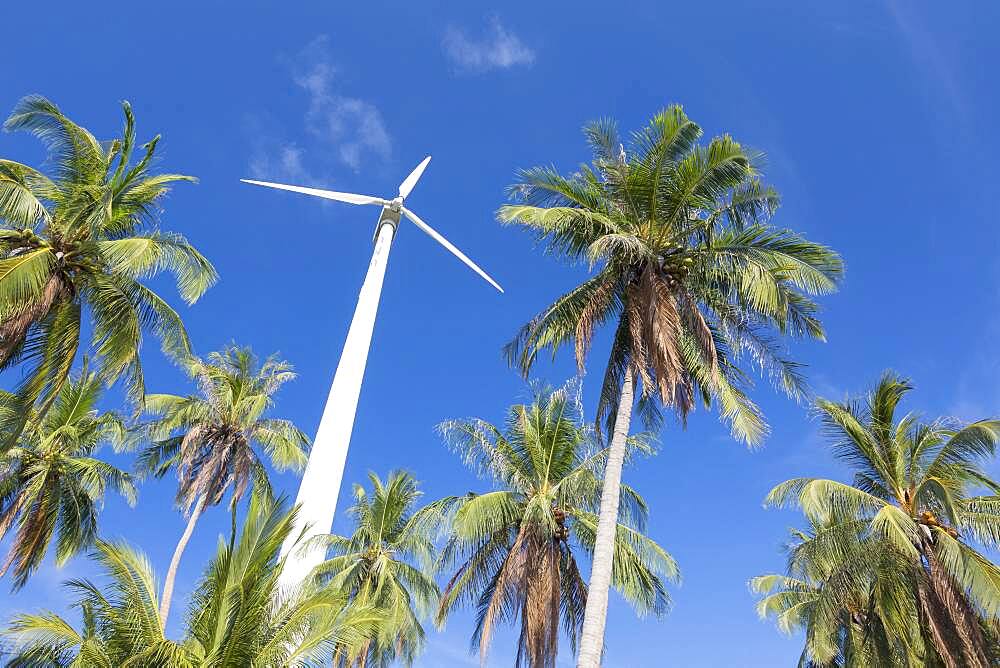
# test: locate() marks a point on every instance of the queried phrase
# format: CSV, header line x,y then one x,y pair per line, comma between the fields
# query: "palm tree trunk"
x,y
595,616
168,584
955,607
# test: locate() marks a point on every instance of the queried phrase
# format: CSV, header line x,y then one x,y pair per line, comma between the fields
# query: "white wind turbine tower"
x,y
317,497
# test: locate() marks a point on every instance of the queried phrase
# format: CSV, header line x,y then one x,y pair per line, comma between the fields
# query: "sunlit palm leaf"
x,y
97,221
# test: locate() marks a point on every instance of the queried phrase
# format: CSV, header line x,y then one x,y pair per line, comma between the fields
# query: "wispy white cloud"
x,y
277,160
350,128
498,48
353,125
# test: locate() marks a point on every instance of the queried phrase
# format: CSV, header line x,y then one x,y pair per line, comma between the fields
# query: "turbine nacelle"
x,y
390,215
392,210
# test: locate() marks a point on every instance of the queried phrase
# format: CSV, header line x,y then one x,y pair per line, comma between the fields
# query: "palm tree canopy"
x,y
235,616
912,479
51,482
851,595
84,237
386,563
688,269
916,506
211,438
517,547
271,629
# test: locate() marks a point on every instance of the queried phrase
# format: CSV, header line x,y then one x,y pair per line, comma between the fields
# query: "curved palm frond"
x,y
385,565
86,236
235,615
51,482
515,549
215,440
889,559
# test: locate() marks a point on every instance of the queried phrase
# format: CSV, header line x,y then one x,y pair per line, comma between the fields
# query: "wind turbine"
x,y
320,487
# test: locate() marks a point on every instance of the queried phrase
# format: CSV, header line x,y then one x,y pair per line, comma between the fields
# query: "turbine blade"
x,y
432,233
350,198
407,185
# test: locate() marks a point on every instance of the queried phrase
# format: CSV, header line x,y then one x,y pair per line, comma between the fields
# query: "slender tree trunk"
x,y
595,616
168,584
955,607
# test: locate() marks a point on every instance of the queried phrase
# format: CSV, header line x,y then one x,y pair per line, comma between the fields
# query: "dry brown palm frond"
x,y
14,328
191,465
636,327
541,602
509,577
553,578
10,514
241,467
599,304
696,324
33,531
661,332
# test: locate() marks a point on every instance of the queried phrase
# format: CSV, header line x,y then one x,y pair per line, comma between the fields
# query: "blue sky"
x,y
878,119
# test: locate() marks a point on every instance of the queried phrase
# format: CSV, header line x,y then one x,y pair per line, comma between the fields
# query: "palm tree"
x,y
913,487
690,274
212,439
850,595
518,546
235,617
51,484
384,565
81,238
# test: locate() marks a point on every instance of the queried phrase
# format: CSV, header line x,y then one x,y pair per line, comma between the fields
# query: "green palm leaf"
x,y
97,240
51,482
890,577
215,440
514,549
236,617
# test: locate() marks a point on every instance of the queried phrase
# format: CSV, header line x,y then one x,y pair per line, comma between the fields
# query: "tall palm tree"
x,y
689,273
212,439
913,487
51,483
517,547
384,565
850,595
235,617
80,239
